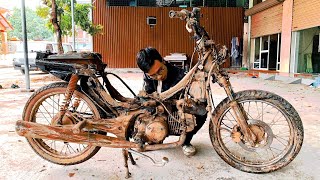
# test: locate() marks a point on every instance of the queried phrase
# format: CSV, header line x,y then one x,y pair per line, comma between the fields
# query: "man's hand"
x,y
142,93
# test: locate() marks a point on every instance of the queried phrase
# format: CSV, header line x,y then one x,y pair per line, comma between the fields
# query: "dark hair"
x,y
146,58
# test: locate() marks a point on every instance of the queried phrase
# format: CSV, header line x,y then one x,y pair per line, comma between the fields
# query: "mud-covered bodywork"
x,y
63,65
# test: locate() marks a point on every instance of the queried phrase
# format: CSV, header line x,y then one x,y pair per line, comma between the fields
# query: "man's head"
x,y
150,61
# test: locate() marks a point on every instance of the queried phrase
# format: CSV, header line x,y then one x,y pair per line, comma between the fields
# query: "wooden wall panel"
x,y
126,31
305,14
267,22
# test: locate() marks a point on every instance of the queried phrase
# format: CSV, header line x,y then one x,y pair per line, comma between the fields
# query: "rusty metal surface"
x,y
68,95
126,31
35,130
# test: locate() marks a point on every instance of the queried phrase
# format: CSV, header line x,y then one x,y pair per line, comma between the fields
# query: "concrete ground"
x,y
18,161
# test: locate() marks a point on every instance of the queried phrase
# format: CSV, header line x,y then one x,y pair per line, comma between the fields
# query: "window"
x,y
149,3
267,52
118,2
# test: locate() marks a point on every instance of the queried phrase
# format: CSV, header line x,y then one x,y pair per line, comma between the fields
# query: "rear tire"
x,y
282,138
42,107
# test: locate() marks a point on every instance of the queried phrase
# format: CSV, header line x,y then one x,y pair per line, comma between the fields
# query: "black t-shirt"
x,y
175,74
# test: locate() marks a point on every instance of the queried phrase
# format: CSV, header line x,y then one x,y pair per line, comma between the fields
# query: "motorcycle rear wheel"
x,y
42,107
268,113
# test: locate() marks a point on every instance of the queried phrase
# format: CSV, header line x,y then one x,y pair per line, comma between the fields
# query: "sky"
x,y
10,4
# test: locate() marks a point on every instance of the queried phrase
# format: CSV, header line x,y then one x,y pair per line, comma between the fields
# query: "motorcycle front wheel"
x,y
271,118
43,107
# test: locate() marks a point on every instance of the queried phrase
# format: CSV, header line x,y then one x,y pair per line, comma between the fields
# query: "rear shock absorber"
x,y
68,94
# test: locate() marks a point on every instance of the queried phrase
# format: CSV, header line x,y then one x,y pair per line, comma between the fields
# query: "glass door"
x,y
267,51
264,52
278,52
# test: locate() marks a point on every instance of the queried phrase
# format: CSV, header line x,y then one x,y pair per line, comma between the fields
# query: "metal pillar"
x,y
250,40
73,26
25,45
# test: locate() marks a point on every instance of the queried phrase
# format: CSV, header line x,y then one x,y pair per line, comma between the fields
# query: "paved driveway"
x,y
18,161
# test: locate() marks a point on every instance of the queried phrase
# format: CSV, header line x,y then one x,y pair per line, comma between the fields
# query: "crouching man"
x,y
156,71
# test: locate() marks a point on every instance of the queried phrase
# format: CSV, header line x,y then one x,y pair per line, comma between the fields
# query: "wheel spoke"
x,y
257,111
231,121
81,107
230,140
272,152
277,138
262,113
276,149
53,103
62,148
284,132
257,154
42,113
47,111
226,125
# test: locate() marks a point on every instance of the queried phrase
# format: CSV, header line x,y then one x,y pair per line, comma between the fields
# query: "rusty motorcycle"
x,y
67,122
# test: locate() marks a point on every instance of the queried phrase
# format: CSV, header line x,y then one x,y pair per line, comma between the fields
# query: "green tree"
x,y
58,16
36,26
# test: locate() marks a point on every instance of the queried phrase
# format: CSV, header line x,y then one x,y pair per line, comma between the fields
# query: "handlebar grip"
x,y
172,14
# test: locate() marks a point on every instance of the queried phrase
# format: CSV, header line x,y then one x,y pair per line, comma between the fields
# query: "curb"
x,y
289,78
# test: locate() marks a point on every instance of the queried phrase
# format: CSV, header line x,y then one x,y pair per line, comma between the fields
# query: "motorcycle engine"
x,y
151,129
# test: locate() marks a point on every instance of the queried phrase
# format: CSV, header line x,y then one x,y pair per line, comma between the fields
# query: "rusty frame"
x,y
69,133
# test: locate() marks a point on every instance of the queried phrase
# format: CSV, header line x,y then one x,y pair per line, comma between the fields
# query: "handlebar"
x,y
183,14
192,19
193,25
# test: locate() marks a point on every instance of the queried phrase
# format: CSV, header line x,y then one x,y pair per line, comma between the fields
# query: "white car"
x,y
33,47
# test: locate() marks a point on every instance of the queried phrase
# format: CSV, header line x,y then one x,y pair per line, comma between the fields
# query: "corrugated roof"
x,y
4,24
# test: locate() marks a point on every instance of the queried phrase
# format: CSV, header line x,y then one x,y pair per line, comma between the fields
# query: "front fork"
x,y
240,114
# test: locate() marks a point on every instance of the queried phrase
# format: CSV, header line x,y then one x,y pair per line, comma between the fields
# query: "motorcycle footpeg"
x,y
164,161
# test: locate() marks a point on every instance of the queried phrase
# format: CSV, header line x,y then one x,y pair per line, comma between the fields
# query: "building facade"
x,y
4,27
284,35
126,30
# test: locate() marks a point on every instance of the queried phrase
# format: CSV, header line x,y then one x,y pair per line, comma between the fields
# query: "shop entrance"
x,y
309,51
316,54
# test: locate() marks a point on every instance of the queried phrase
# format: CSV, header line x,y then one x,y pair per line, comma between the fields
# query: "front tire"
x,y
43,107
268,113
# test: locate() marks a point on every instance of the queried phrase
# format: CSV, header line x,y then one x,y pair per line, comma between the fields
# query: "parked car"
x,y
33,47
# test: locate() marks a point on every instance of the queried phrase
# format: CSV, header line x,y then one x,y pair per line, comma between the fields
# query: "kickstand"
x,y
127,155
133,162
